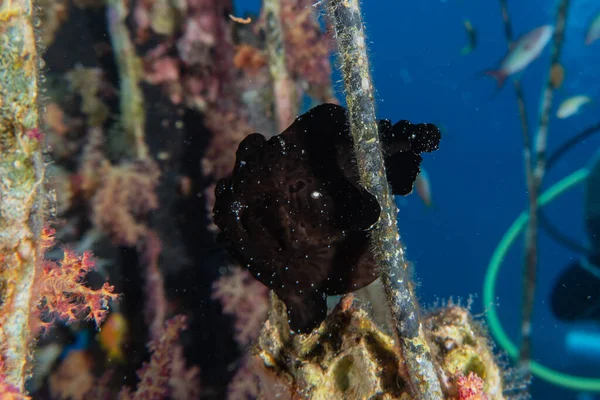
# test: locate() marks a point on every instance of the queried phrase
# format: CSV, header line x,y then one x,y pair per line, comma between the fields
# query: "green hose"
x,y
579,383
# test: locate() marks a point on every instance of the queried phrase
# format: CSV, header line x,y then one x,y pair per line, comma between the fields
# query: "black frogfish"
x,y
294,213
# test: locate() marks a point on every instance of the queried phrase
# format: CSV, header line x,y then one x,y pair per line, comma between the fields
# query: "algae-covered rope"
x,y
541,138
22,200
388,249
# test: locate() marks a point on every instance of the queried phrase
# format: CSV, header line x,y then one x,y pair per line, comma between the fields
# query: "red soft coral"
x,y
470,387
63,295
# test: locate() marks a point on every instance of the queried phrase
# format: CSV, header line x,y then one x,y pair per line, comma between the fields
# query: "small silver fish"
x,y
593,31
525,50
571,106
423,187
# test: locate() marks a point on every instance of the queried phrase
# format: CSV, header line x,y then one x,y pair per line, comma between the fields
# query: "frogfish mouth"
x,y
294,213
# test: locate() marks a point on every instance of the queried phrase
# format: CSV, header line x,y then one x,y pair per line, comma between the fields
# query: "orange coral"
x,y
248,58
47,239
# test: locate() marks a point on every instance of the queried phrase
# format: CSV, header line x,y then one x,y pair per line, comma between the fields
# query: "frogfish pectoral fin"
x,y
358,209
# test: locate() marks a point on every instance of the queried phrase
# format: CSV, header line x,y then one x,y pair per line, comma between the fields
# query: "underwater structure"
x,y
134,140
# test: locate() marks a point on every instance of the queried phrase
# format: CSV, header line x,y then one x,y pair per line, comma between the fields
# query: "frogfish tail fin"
x,y
305,312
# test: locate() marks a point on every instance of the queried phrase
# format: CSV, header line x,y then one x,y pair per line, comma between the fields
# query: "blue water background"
x,y
477,175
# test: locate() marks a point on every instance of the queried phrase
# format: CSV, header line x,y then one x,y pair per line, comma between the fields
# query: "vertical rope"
x,y
385,239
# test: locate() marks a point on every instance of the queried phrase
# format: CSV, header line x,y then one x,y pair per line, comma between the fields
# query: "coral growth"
x,y
184,381
249,58
156,376
348,356
308,48
244,298
60,294
63,295
229,130
73,379
247,301
88,84
9,391
470,387
54,13
244,384
126,195
187,60
462,348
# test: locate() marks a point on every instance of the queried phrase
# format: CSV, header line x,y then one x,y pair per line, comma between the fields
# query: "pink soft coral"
x,y
156,375
127,193
246,299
